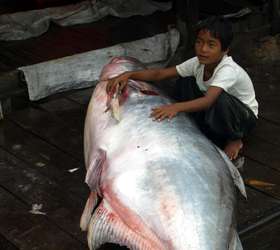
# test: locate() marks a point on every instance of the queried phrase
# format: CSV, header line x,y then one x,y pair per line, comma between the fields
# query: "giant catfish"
x,y
154,185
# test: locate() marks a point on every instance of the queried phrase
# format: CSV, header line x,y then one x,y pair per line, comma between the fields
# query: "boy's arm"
x,y
153,74
143,75
202,103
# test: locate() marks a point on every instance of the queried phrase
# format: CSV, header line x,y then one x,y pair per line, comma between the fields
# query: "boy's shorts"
x,y
226,120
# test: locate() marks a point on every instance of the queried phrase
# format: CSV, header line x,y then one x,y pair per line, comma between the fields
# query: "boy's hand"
x,y
117,83
164,112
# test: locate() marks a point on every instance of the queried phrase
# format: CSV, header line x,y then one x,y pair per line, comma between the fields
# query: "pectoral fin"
x,y
95,169
87,213
92,179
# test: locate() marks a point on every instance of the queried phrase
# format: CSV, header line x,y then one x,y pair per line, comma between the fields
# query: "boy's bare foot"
x,y
232,148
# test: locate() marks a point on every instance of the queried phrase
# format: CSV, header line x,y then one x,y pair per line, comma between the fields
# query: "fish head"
x,y
119,65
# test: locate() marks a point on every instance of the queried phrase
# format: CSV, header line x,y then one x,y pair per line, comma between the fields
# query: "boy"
x,y
220,95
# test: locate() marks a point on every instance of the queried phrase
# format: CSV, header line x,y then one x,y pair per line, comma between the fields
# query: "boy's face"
x,y
208,49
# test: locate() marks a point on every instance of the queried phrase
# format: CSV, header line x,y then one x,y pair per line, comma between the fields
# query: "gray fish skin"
x,y
164,183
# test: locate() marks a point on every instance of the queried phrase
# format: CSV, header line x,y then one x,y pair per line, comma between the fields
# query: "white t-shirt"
x,y
228,75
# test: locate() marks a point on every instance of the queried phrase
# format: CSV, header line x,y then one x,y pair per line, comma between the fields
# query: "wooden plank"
x,y
267,131
63,116
266,83
67,111
4,67
266,78
275,19
268,112
262,178
52,129
29,232
38,153
265,71
61,207
6,244
11,58
265,153
10,83
187,15
44,158
13,92
264,238
257,206
81,96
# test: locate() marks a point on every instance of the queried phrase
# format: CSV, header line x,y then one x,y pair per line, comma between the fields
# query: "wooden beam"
x,y
13,93
187,16
275,16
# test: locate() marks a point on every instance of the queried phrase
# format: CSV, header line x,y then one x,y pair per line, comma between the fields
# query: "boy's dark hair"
x,y
219,27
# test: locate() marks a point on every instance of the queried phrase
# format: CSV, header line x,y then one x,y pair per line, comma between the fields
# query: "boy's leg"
x,y
228,121
186,89
225,123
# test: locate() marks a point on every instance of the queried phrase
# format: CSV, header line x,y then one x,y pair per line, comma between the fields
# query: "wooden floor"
x,y
42,141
